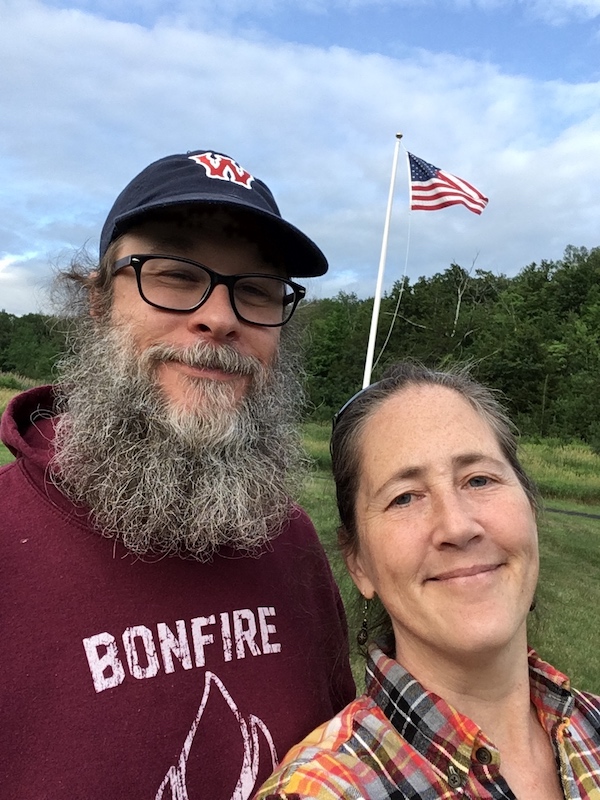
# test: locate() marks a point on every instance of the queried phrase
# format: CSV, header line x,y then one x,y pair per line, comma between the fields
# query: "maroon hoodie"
x,y
129,678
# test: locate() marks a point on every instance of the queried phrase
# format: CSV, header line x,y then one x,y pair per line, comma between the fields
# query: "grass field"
x,y
566,471
564,628
5,396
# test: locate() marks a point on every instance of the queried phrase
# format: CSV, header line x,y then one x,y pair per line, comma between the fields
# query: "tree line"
x,y
30,345
534,336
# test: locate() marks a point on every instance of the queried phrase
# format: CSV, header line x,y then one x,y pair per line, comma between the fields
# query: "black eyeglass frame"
x,y
137,261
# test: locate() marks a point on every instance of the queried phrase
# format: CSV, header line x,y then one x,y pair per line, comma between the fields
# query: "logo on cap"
x,y
223,168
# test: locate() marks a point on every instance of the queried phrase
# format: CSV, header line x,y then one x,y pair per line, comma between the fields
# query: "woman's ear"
x,y
359,574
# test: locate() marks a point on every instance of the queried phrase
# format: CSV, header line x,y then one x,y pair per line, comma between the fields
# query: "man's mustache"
x,y
203,356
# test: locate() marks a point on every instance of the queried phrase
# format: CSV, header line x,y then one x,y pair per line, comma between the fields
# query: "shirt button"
x,y
483,755
455,779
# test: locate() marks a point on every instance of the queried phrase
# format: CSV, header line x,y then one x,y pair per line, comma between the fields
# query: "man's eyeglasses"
x,y
178,284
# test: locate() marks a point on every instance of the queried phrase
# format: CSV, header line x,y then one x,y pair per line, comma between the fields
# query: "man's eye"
x,y
478,481
253,290
259,292
403,499
179,276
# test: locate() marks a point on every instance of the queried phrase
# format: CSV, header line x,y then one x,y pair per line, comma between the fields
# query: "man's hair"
x,y
83,288
348,430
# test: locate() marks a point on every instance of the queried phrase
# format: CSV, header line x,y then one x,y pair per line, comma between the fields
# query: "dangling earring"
x,y
533,605
363,634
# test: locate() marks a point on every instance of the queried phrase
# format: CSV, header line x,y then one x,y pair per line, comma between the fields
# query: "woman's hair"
x,y
349,423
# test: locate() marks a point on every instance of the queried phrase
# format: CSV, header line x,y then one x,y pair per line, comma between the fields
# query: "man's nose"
x,y
216,318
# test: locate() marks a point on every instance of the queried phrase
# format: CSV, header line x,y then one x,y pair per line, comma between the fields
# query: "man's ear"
x,y
94,296
358,573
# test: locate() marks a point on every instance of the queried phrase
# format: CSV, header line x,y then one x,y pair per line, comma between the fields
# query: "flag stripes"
x,y
432,188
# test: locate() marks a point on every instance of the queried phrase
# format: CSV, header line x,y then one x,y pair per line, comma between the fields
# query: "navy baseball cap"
x,y
204,177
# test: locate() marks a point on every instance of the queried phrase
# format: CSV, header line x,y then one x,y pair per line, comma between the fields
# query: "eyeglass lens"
x,y
180,286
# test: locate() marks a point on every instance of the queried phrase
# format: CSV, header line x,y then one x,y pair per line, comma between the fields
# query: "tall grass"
x,y
566,471
5,398
15,382
10,385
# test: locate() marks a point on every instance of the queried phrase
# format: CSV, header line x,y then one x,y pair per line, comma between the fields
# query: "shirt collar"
x,y
550,692
450,741
431,726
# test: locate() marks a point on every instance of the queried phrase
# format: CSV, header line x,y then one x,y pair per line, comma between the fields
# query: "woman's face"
x,y
446,534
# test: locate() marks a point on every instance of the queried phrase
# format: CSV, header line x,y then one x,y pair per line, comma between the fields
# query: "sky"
x,y
307,95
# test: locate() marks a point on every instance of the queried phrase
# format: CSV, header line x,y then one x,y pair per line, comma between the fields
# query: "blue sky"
x,y
508,35
306,95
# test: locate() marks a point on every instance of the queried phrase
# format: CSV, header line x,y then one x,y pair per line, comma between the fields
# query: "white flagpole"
x,y
384,244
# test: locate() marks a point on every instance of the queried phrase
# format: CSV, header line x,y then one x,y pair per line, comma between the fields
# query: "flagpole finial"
x,y
399,135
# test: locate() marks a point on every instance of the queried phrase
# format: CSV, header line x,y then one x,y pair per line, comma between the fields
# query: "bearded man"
x,y
170,623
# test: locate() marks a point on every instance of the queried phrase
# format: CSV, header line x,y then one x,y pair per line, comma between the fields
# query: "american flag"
x,y
431,189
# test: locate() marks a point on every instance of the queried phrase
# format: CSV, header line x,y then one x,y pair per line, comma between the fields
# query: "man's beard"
x,y
188,479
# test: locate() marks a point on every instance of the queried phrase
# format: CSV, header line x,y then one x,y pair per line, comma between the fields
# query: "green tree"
x,y
7,322
35,342
335,345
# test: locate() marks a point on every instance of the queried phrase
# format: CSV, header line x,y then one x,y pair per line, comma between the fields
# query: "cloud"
x,y
562,11
21,287
92,100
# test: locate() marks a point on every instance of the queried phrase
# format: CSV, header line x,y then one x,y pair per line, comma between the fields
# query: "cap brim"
x,y
303,259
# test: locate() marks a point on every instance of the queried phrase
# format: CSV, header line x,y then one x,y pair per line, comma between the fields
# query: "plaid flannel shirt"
x,y
399,741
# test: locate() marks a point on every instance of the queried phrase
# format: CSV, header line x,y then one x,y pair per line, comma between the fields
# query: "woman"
x,y
439,523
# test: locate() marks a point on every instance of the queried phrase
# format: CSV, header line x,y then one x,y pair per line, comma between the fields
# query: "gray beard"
x,y
188,479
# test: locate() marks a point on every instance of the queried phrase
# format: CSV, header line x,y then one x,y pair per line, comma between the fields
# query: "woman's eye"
x,y
478,481
402,499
